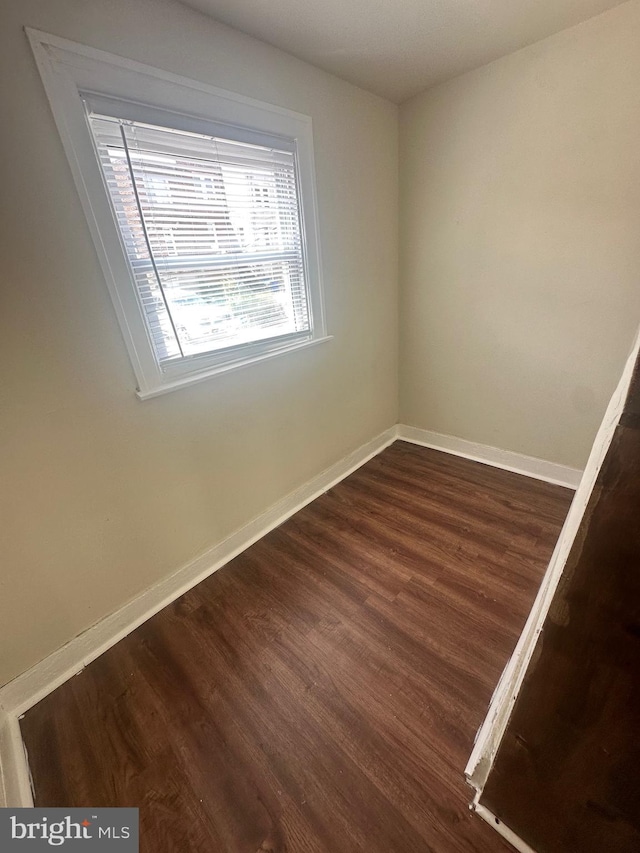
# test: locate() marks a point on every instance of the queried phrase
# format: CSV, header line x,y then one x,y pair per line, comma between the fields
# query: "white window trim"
x,y
69,69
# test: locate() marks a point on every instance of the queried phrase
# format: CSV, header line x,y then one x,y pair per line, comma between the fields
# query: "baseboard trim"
x,y
30,687
530,466
501,828
15,778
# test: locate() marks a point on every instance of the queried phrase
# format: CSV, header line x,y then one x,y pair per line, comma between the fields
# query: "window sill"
x,y
201,376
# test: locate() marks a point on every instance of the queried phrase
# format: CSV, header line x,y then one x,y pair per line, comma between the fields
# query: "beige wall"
x,y
103,494
520,262
520,242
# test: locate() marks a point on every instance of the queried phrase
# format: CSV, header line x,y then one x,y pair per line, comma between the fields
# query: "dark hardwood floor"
x,y
321,692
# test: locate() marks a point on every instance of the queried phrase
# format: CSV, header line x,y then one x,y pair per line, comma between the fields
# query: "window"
x,y
202,207
211,228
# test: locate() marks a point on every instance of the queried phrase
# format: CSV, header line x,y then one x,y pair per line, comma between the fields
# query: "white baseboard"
x,y
30,687
15,779
501,828
530,466
27,689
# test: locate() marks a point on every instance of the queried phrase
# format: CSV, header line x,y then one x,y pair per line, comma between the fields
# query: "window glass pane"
x,y
212,231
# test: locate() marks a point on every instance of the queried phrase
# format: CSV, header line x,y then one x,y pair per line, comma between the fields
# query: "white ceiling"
x,y
397,48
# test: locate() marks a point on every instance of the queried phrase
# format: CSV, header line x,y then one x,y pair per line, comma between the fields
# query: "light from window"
x,y
211,228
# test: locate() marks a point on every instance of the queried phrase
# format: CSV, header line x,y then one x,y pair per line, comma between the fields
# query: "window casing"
x,y
202,207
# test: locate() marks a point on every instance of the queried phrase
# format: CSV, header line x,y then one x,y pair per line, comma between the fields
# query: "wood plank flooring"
x,y
321,692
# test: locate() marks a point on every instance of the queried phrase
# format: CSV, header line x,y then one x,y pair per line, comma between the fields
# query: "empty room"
x,y
320,426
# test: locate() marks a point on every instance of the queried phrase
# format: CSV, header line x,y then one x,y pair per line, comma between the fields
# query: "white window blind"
x,y
212,230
